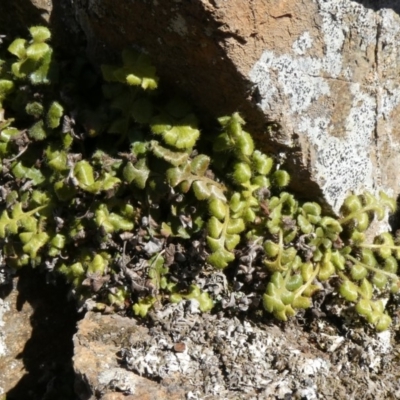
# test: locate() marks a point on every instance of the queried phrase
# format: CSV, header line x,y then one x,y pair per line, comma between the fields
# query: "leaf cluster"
x,y
91,193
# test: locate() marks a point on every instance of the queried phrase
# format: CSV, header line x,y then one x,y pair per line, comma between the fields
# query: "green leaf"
x,y
143,306
380,280
349,290
133,80
362,222
16,69
302,302
200,164
18,48
271,249
142,110
97,265
138,173
36,176
221,258
83,171
386,242
6,87
8,133
358,272
261,163
54,115
57,160
204,299
40,75
281,178
63,191
34,244
327,269
29,224
36,51
231,241
214,228
201,190
388,201
119,126
245,144
241,173
294,282
108,75
235,226
383,323
40,33
34,108
137,70
108,182
366,289
37,131
120,223
175,158
181,137
222,143
217,208
363,307
351,204
305,226
331,225
102,219
390,265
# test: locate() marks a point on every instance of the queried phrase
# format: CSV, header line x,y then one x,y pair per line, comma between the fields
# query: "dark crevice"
x,y
281,16
377,100
47,355
377,5
227,35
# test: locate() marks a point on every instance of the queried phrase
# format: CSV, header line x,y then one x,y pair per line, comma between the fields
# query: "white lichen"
x,y
4,307
118,379
296,82
303,43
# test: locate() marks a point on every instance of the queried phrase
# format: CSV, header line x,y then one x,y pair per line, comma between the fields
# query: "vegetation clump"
x,y
120,191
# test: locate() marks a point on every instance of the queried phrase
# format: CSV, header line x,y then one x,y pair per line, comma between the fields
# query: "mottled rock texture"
x,y
15,331
178,354
99,371
36,327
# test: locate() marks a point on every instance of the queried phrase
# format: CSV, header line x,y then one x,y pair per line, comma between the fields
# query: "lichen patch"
x,y
346,90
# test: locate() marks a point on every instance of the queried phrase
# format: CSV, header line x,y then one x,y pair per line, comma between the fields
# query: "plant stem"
x,y
373,269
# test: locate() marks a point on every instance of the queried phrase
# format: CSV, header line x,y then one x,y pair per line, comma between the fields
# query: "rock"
x,y
317,81
181,355
15,331
36,327
98,368
323,74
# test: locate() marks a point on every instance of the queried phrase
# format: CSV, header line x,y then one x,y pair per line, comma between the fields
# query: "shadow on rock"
x,y
380,4
47,355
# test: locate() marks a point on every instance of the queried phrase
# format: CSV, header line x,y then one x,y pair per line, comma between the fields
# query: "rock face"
x,y
316,80
36,327
326,72
15,331
181,354
99,372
